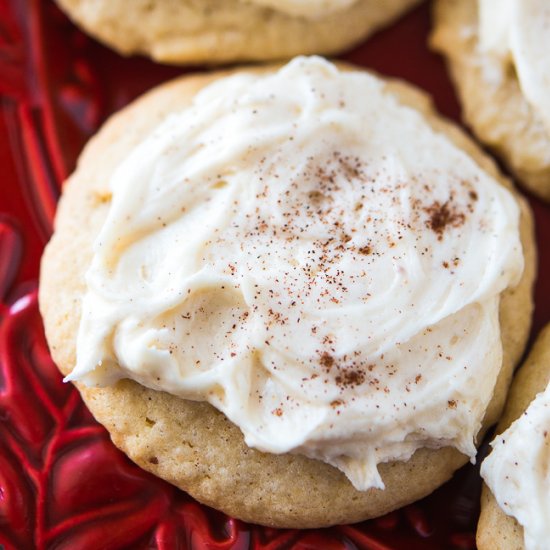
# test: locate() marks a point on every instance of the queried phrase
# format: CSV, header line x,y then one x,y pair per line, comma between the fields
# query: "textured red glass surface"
x,y
62,483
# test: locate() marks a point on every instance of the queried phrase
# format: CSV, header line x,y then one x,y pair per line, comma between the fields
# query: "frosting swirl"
x,y
308,255
517,32
517,474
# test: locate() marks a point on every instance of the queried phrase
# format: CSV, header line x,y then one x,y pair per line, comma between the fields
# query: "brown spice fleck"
x,y
365,250
277,412
154,460
442,216
350,378
316,197
327,361
451,404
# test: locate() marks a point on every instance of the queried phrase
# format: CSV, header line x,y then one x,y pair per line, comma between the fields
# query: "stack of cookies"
x,y
294,290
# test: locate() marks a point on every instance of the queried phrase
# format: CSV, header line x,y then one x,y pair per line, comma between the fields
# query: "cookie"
x,y
497,529
190,443
221,31
493,98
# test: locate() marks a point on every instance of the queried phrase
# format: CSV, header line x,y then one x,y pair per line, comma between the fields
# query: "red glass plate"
x,y
63,485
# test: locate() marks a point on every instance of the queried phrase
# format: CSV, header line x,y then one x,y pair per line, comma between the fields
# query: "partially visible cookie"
x,y
496,529
221,31
494,103
194,446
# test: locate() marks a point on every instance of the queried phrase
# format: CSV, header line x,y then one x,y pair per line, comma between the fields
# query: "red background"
x,y
62,483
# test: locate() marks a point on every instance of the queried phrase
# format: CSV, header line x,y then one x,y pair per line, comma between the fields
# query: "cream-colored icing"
x,y
518,32
518,471
305,253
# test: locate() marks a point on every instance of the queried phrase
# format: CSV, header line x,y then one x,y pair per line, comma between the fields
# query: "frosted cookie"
x,y
216,31
498,56
295,293
515,505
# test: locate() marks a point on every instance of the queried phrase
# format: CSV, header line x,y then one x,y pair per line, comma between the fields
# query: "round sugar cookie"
x,y
497,530
221,31
492,100
191,444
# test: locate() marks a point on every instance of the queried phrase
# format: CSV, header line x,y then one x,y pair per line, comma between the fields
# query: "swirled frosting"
x,y
308,255
517,32
517,471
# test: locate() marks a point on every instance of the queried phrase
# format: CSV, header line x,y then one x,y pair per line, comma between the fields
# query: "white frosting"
x,y
309,256
518,471
310,9
518,31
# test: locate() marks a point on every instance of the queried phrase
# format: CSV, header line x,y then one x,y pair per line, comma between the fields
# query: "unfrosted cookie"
x,y
220,31
192,445
496,529
501,99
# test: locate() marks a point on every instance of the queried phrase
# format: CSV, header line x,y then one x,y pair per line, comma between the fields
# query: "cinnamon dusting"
x,y
442,216
350,378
